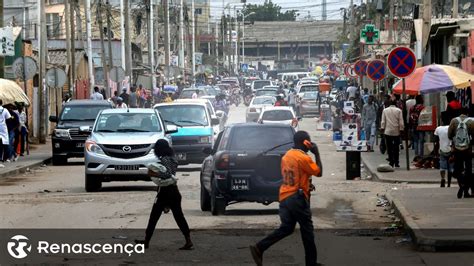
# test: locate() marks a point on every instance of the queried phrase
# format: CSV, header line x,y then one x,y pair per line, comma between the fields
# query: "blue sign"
x,y
376,70
401,62
244,67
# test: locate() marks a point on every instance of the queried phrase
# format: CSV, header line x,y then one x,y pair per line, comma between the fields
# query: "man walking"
x,y
297,167
369,117
4,138
392,124
460,131
97,96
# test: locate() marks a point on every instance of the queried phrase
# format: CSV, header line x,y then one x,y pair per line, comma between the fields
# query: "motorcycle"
x,y
235,98
248,95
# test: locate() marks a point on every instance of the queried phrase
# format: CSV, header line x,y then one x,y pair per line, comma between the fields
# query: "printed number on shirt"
x,y
288,178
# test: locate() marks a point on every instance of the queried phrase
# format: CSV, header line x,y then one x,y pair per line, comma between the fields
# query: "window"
x,y
184,115
128,122
264,100
81,113
53,25
55,2
277,115
261,138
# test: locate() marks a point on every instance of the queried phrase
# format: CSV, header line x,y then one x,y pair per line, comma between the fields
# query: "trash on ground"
x,y
120,237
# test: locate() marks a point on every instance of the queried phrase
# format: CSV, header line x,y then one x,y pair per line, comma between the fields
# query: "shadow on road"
x,y
127,188
251,212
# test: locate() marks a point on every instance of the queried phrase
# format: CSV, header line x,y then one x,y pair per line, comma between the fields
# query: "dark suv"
x,y
244,165
73,127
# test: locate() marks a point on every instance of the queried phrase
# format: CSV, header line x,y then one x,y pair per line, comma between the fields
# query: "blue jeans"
x,y
294,209
419,142
11,144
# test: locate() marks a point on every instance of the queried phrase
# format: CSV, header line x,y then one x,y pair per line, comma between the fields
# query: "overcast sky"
x,y
313,7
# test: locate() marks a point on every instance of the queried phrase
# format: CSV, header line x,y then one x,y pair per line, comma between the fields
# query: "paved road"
x,y
54,197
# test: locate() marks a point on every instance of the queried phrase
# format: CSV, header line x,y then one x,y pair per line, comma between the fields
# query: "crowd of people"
x,y
13,132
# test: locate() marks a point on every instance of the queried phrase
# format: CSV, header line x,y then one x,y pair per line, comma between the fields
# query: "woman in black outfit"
x,y
168,195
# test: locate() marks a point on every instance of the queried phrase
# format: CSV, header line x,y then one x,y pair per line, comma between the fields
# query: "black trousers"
x,y
294,209
463,169
393,149
167,197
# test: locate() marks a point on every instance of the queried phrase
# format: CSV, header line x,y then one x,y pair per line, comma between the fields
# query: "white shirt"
x,y
351,91
97,96
121,106
3,125
194,96
444,141
392,121
410,103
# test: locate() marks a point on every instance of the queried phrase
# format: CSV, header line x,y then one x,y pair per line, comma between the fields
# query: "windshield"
x,y
277,115
211,91
184,115
251,138
81,113
186,94
265,100
309,88
302,75
266,92
261,83
128,122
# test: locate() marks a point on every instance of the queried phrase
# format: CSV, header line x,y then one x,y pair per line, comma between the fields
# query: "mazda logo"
x,y
127,149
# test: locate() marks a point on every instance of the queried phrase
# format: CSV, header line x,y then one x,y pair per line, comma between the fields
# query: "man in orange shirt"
x,y
297,167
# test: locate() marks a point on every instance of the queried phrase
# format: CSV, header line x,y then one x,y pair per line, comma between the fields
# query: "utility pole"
x,y
181,39
2,61
236,42
351,32
167,39
128,44
237,50
89,45
217,43
67,11
109,37
122,34
400,21
229,39
102,45
72,39
151,48
390,24
42,93
193,42
426,23
455,8
209,36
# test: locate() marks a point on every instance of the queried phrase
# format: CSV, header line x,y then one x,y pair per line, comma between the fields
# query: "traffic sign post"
x,y
376,70
56,78
402,62
360,69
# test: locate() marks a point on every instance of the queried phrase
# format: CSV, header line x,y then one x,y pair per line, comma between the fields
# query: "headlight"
x,y
206,139
92,147
61,133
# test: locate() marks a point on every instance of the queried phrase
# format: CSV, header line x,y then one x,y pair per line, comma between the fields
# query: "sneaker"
x,y
8,161
15,158
443,183
460,192
256,254
2,165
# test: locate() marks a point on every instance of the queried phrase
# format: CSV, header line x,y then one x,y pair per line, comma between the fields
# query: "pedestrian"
x,y
297,167
133,98
104,94
120,104
168,196
113,99
453,109
67,98
351,91
443,146
124,95
392,125
369,117
12,125
418,135
4,138
97,95
460,132
195,94
292,101
142,95
365,96
409,104
23,129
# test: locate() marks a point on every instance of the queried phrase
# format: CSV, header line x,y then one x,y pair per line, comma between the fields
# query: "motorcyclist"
x,y
220,104
281,100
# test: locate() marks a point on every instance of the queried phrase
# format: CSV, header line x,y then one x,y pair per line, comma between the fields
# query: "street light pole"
x,y
243,35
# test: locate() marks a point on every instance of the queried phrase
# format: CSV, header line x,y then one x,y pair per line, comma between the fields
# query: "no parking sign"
x,y
376,70
401,62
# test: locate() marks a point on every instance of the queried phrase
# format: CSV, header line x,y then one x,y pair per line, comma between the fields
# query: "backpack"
x,y
462,140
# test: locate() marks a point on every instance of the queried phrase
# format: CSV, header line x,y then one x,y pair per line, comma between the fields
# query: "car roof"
x,y
253,124
264,96
268,88
88,102
180,103
200,100
129,110
277,108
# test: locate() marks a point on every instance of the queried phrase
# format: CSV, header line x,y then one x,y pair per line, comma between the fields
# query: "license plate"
x,y
181,156
240,184
80,145
126,167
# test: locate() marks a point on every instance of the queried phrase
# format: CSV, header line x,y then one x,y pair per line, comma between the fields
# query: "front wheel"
x,y
93,183
205,200
218,205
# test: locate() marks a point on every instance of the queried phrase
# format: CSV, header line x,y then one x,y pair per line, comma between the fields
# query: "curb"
x,y
22,169
421,240
376,177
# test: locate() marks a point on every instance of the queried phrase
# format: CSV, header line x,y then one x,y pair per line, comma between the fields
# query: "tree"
x,y
269,11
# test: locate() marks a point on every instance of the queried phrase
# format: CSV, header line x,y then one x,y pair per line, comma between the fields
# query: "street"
x,y
351,228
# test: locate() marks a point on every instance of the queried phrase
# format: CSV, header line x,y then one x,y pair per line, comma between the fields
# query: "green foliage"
x,y
269,11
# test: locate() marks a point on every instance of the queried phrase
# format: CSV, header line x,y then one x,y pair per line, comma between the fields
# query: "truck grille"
x,y
137,150
77,135
184,141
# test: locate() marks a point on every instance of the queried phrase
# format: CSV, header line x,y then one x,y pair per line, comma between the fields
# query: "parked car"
x,y
258,84
197,129
309,103
68,139
244,166
256,106
111,154
283,115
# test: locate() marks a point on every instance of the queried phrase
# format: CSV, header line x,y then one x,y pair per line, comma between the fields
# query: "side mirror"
x,y
215,121
53,118
84,129
170,129
207,151
220,114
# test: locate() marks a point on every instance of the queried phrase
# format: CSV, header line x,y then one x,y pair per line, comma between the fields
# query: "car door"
x,y
208,164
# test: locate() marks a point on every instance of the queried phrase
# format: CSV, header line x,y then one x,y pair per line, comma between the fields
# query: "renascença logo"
x,y
18,247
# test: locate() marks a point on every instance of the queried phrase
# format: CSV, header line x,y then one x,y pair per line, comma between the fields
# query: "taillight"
x,y
294,122
223,161
253,110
